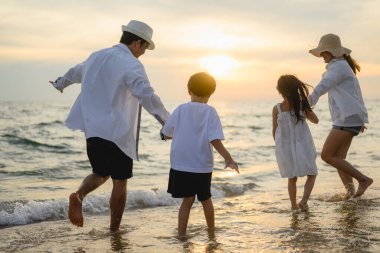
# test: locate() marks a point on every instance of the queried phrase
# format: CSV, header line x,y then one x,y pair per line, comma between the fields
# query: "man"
x,y
114,86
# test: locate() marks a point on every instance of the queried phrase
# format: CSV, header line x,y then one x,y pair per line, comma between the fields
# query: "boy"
x,y
195,128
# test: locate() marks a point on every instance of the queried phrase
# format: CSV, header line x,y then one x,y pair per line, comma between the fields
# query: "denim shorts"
x,y
355,130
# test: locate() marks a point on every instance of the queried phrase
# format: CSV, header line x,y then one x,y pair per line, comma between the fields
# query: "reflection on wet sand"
x,y
305,232
354,225
118,243
210,246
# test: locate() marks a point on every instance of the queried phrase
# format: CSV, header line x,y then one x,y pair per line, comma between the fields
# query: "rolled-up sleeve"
x,y
73,75
330,78
140,87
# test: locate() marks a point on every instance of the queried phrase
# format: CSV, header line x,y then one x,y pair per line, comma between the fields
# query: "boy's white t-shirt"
x,y
193,126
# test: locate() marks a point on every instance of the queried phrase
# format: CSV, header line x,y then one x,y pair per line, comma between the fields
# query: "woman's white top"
x,y
193,126
345,98
114,84
295,150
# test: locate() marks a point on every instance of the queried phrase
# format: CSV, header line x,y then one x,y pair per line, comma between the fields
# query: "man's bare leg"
x,y
90,183
117,203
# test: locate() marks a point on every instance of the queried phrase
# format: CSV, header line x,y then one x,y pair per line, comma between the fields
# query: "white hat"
x,y
330,43
140,29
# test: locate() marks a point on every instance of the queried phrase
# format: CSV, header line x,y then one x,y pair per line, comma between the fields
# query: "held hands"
x,y
164,137
55,85
232,164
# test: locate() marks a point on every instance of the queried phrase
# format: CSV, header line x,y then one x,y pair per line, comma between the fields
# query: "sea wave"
x,y
30,143
230,190
33,211
49,124
22,212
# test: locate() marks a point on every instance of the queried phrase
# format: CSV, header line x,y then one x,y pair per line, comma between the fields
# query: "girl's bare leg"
x,y
292,190
309,185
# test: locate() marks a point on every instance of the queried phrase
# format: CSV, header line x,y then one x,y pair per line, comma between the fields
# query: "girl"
x,y
347,109
295,150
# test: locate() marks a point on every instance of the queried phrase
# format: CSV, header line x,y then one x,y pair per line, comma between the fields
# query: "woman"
x,y
347,109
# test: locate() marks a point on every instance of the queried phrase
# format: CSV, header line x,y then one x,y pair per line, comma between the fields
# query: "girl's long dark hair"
x,y
296,92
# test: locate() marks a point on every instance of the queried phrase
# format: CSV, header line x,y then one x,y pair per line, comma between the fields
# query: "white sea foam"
x,y
35,211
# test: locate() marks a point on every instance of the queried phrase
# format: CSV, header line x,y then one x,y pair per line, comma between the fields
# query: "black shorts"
x,y
107,159
187,184
355,130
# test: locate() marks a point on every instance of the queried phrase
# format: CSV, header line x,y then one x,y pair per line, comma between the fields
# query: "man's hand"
x,y
56,86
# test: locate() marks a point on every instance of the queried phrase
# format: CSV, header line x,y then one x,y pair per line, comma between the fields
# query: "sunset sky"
x,y
245,44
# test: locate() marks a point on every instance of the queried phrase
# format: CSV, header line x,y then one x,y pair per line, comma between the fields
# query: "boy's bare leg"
x,y
90,183
183,214
208,209
292,190
309,185
117,203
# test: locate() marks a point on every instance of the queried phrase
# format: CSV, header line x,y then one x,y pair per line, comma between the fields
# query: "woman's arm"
x,y
334,74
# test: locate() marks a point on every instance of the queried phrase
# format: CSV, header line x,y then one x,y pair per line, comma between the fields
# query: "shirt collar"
x,y
124,47
332,61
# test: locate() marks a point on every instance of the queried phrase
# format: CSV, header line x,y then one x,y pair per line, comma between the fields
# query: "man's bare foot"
x,y
75,210
303,206
363,185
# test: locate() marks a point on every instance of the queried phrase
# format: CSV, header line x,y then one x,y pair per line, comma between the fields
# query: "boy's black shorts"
x,y
107,159
187,184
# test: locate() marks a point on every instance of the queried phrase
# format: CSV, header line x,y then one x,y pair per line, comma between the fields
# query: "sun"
x,y
219,65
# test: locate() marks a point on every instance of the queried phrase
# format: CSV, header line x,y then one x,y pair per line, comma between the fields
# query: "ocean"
x,y
42,162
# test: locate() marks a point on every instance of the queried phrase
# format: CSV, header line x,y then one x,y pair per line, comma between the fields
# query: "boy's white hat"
x,y
140,29
330,43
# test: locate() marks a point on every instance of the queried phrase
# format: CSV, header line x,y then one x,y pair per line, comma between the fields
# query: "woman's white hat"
x,y
330,43
140,29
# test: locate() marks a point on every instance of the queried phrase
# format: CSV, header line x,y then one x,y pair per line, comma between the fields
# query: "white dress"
x,y
295,150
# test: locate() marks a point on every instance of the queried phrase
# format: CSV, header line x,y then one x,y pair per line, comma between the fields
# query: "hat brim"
x,y
137,33
336,52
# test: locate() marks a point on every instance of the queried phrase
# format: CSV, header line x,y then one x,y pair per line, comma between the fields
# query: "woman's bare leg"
x,y
334,153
